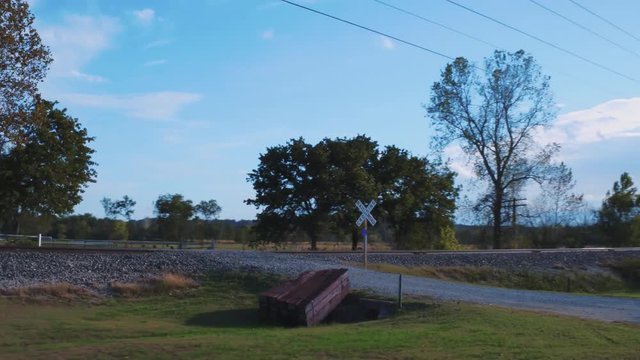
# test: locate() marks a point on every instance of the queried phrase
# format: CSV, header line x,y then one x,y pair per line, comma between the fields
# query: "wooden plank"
x,y
306,300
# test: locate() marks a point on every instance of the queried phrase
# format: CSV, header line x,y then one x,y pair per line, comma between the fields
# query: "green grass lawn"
x,y
219,321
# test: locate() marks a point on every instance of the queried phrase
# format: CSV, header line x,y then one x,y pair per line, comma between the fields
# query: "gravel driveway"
x,y
95,270
593,307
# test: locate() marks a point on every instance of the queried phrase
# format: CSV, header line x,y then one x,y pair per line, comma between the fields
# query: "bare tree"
x,y
558,204
493,118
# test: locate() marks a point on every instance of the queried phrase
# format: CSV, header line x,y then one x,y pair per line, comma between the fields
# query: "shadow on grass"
x,y
234,318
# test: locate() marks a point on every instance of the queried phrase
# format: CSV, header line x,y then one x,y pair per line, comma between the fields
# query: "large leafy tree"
x,y
173,212
209,209
620,208
48,172
417,197
311,188
492,116
350,172
291,185
24,61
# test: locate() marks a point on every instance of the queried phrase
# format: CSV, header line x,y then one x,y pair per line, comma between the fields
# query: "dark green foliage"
x,y
86,226
313,188
291,186
173,213
492,116
122,207
209,209
620,208
48,172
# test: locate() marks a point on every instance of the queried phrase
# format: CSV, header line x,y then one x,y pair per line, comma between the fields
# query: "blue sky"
x,y
182,97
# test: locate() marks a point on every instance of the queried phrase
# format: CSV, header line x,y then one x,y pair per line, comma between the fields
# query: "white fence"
x,y
13,239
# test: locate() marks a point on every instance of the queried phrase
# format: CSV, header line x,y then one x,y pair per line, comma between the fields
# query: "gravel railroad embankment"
x,y
95,270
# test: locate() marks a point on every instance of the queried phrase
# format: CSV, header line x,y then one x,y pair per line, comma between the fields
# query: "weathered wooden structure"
x,y
306,300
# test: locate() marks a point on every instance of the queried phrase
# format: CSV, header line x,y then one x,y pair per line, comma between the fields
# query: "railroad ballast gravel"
x,y
95,269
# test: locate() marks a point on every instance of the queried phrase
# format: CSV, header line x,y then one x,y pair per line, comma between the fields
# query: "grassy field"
x,y
219,320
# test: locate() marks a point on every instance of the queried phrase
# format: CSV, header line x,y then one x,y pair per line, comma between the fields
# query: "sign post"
x,y
365,217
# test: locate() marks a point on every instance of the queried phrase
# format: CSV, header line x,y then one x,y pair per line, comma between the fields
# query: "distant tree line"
x,y
177,220
566,222
87,226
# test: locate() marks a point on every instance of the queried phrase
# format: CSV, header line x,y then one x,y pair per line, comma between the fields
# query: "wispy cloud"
x,y
87,77
155,106
268,34
76,42
145,16
155,62
609,120
158,43
387,43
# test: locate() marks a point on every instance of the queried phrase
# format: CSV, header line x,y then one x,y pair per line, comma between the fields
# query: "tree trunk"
x,y
355,235
497,220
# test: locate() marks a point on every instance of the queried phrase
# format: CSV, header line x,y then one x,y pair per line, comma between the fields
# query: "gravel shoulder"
x,y
95,270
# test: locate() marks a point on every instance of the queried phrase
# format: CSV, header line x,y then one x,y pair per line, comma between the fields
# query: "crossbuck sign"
x,y
365,218
366,213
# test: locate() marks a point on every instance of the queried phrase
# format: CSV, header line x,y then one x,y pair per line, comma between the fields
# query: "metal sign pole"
x,y
366,243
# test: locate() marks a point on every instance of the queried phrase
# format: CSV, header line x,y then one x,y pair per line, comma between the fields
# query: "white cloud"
x,y
610,120
145,16
458,161
155,62
268,34
87,77
76,42
387,43
156,106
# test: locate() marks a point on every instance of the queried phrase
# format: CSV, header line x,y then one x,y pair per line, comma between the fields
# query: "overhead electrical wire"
x,y
560,72
436,23
408,42
559,48
370,30
586,29
605,20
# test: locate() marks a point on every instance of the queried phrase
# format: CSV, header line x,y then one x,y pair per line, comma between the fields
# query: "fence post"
x,y
39,240
400,291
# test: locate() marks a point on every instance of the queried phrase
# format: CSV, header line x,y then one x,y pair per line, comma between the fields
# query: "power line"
x,y
605,20
370,30
410,13
569,52
405,11
405,41
586,29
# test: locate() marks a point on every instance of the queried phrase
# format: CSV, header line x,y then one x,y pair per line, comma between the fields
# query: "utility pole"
x,y
515,204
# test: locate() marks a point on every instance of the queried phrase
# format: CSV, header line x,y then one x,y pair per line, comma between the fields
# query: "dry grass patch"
x,y
166,283
61,291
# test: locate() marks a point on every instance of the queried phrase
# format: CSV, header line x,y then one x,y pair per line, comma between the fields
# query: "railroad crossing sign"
x,y
365,218
366,213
